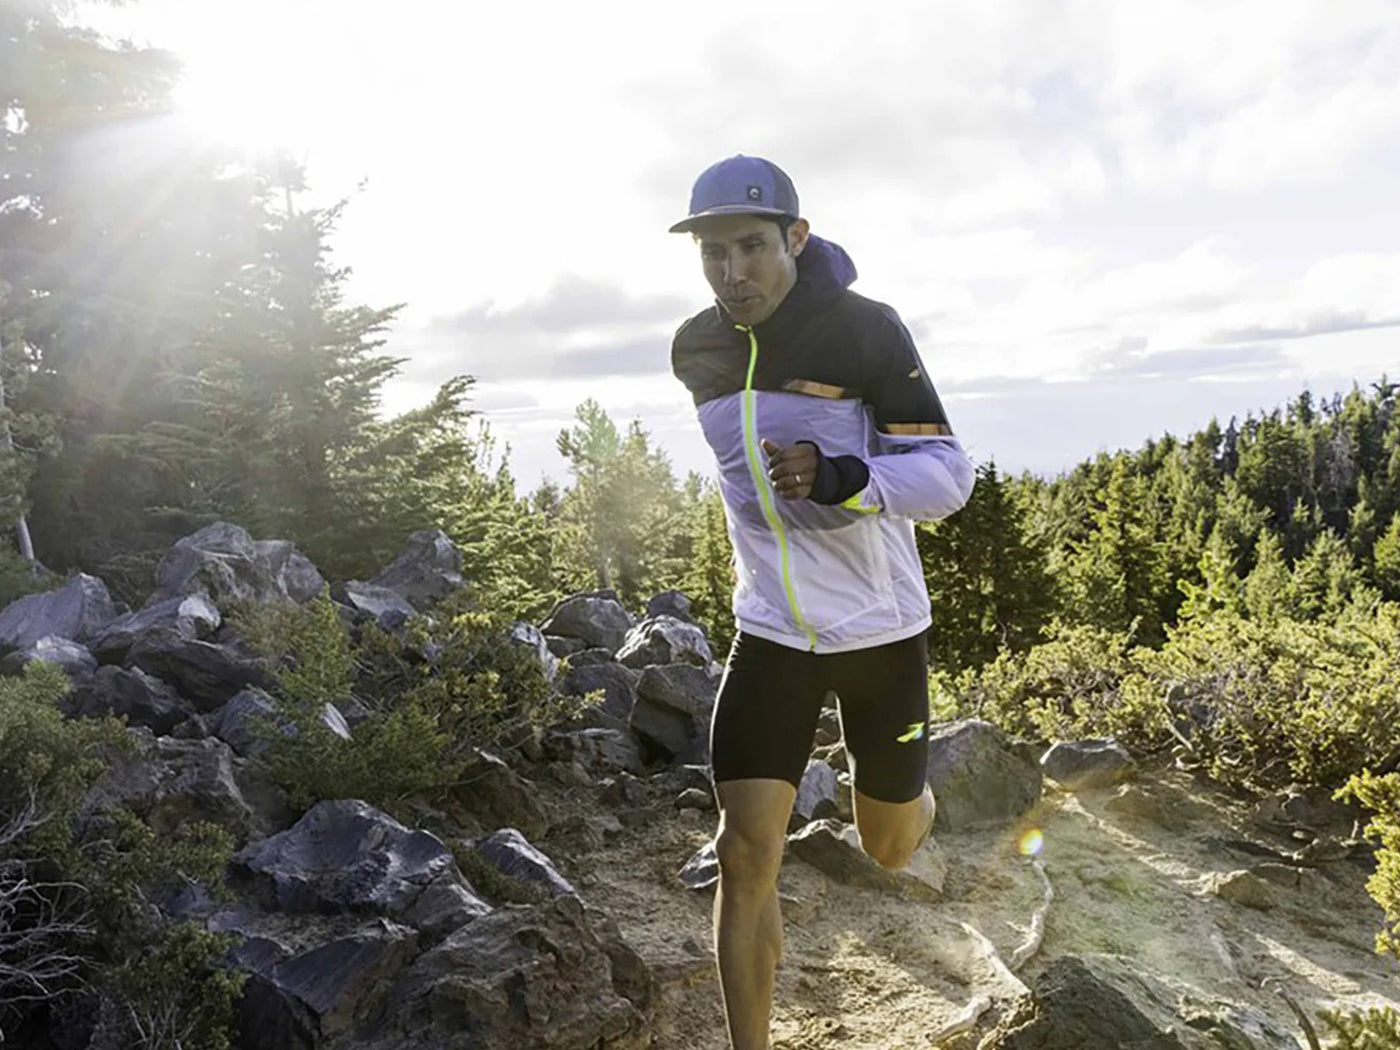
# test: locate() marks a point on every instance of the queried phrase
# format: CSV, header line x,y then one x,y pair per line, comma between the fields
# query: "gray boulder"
x,y
544,976
562,647
235,723
1081,764
834,849
205,673
388,608
1111,1001
528,636
618,685
428,570
75,660
978,776
665,640
499,797
702,870
138,697
223,562
600,750
597,618
673,707
512,853
171,782
818,793
191,617
346,857
76,611
670,603
313,983
291,570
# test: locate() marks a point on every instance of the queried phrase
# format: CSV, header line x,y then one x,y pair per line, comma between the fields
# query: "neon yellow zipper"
x,y
765,491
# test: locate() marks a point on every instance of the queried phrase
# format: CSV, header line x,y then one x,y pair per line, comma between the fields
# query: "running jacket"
x,y
841,371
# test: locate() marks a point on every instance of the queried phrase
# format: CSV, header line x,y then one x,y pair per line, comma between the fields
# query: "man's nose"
x,y
733,270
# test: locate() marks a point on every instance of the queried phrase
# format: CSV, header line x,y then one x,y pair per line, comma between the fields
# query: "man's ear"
x,y
797,236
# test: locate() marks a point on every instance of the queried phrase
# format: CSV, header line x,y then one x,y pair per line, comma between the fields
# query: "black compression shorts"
x,y
770,699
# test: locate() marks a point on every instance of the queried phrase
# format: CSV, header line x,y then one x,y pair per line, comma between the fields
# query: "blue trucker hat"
x,y
740,186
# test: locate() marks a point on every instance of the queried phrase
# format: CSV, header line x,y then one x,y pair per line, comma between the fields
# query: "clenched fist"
x,y
793,469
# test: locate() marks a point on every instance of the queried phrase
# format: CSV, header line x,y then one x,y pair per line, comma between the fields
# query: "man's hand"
x,y
792,470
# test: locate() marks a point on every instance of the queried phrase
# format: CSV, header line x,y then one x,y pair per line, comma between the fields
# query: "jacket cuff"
x,y
838,477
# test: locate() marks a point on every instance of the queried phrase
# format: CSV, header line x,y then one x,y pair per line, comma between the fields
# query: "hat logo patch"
x,y
755,193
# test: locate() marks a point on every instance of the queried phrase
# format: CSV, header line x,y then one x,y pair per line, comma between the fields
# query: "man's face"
x,y
748,264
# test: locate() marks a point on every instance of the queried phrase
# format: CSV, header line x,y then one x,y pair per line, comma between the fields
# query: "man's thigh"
x,y
766,713
884,718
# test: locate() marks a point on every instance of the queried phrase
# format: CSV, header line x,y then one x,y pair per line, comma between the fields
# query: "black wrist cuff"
x,y
838,477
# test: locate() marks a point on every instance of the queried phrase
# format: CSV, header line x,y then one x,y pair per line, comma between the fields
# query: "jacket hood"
x,y
824,268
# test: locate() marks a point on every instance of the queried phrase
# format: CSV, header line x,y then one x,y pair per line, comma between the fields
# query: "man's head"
x,y
743,214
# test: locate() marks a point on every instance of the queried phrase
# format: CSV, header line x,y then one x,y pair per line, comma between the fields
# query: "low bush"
x,y
1374,1029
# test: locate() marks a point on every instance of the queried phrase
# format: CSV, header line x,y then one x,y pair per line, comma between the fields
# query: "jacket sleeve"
x,y
919,469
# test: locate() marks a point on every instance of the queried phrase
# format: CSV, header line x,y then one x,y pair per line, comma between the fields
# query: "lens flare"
x,y
1031,843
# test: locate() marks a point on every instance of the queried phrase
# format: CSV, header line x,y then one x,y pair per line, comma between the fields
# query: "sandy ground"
x,y
867,970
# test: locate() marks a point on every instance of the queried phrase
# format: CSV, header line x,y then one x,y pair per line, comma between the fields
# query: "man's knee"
x,y
746,859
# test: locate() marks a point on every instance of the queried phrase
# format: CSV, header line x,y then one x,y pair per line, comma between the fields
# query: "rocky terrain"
x,y
1070,898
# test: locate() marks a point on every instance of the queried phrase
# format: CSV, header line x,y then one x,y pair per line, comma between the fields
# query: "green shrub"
x,y
1381,795
1071,685
1374,1029
427,711
491,881
87,881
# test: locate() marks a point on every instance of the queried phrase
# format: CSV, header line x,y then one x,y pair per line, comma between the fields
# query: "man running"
x,y
830,443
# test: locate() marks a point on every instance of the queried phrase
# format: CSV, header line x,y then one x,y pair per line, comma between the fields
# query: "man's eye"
x,y
712,253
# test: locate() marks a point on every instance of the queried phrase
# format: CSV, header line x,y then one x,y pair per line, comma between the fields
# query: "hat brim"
x,y
687,224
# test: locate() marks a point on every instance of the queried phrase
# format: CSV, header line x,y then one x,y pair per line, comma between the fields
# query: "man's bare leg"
x,y
748,926
891,831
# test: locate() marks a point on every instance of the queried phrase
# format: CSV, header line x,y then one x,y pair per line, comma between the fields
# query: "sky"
x,y
1102,220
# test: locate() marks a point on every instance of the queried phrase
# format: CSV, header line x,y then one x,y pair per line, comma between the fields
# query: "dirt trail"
x,y
866,970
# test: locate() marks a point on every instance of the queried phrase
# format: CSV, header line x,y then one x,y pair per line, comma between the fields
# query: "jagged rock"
x,y
694,798
541,976
388,608
1109,1001
224,563
665,640
142,699
673,707
670,603
828,728
428,570
311,982
235,722
618,685
205,673
500,797
598,750
590,658
446,904
528,636
834,849
76,611
978,777
1080,764
191,616
702,869
77,662
623,790
598,618
345,856
1244,888
291,570
817,793
1310,809
509,851
173,782
564,647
